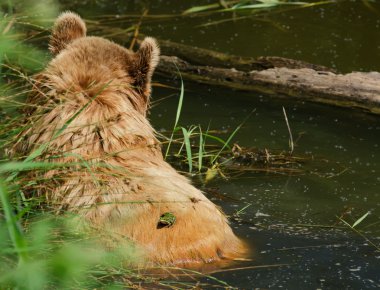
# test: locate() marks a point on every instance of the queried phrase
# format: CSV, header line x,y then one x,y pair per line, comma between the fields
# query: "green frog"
x,y
166,220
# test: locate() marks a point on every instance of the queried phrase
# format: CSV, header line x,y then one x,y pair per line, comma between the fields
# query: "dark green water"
x,y
344,176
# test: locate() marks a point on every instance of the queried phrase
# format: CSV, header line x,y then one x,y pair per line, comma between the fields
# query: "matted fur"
x,y
126,185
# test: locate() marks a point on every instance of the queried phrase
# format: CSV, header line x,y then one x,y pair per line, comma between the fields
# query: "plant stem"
x,y
291,143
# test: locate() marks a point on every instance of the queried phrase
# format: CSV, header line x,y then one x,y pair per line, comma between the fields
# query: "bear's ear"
x,y
147,58
67,27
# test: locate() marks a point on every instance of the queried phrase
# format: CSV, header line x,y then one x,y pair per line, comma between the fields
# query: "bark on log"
x,y
355,90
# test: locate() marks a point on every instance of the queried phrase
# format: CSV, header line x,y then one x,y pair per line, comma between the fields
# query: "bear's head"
x,y
86,64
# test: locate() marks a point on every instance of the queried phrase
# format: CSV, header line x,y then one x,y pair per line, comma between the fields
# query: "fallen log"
x,y
354,90
277,76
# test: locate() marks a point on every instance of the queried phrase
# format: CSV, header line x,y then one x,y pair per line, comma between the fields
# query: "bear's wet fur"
x,y
90,104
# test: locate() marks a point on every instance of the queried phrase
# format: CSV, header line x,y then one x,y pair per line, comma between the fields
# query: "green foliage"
x,y
22,26
17,18
59,256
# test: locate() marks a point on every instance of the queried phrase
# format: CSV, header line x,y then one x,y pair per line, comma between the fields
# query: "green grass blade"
x,y
186,137
227,142
358,232
14,229
16,167
360,219
216,138
201,150
180,102
230,137
291,143
255,6
179,108
202,8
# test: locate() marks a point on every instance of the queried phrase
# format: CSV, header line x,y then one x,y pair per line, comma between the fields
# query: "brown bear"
x,y
89,107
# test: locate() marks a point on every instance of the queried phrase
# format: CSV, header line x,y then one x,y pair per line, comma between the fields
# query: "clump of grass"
x,y
208,155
